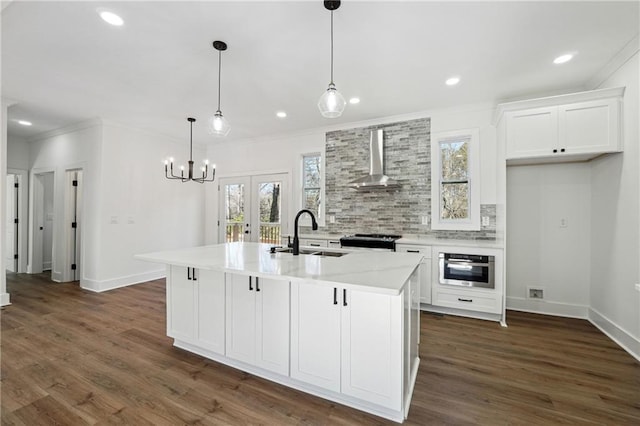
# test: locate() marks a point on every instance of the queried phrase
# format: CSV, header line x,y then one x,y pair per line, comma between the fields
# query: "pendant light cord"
x,y
332,47
219,76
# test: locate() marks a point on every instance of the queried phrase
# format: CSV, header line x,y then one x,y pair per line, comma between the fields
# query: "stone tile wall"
x,y
407,160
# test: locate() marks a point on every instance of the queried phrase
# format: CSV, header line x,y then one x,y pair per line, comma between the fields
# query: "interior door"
x,y
253,208
11,244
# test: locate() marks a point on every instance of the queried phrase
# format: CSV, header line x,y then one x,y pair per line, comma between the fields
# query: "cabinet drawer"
x,y
410,248
313,243
464,300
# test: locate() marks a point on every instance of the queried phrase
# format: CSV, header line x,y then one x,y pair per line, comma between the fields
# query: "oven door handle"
x,y
453,264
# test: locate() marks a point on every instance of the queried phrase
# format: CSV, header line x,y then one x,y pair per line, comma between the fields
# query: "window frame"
x,y
472,223
320,217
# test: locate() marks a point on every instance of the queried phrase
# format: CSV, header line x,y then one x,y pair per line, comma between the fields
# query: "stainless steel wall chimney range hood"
x,y
376,178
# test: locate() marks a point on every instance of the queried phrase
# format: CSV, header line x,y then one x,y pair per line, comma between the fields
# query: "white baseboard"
x,y
616,333
100,286
5,299
547,308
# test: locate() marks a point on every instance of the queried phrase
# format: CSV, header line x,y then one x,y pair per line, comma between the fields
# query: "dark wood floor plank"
x,y
71,356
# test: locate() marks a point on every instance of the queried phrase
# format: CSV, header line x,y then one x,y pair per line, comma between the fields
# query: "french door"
x,y
253,208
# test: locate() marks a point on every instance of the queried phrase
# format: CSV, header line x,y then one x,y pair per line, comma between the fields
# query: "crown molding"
x,y
93,122
618,60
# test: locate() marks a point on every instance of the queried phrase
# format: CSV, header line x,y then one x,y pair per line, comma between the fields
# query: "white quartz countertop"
x,y
375,271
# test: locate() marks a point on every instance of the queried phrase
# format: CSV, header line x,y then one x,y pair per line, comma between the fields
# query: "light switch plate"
x,y
637,287
485,220
114,220
332,219
564,222
425,220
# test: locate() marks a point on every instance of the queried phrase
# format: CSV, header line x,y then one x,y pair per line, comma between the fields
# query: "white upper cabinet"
x,y
573,127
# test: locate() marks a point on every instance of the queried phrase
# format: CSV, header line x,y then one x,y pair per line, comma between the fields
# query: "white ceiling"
x,y
62,64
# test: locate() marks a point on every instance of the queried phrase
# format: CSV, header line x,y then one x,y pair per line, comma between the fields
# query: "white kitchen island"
x,y
343,328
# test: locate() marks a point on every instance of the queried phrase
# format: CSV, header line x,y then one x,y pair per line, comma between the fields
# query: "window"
x,y
455,180
312,183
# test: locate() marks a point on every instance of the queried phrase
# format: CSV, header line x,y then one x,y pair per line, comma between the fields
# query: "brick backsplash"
x,y
407,160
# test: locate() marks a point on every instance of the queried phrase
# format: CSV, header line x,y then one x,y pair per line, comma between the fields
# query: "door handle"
x,y
250,287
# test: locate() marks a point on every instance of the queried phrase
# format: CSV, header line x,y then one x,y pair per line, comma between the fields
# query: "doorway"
x,y
253,208
43,221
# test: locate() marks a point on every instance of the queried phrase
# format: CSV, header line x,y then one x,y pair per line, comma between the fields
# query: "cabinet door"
x,y
532,132
241,317
272,325
211,312
425,281
181,304
372,345
315,335
587,127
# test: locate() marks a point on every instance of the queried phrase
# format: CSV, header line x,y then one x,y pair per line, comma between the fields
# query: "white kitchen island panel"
x,y
344,329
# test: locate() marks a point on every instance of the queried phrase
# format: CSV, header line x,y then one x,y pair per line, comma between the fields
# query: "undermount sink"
x,y
324,253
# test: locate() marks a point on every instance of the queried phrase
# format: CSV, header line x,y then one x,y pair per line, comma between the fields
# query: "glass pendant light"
x,y
218,125
331,103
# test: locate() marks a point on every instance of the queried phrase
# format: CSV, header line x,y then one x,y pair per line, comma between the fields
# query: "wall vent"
x,y
535,293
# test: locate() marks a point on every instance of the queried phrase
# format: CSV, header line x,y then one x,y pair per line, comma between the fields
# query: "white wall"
x,y
17,153
615,305
4,296
141,211
69,148
543,253
284,153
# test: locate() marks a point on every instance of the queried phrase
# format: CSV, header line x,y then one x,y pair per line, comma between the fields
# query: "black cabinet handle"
x,y
188,273
562,150
250,287
344,297
464,300
193,274
314,245
555,151
335,296
257,284
413,251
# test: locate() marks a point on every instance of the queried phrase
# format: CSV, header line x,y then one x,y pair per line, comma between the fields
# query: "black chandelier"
x,y
168,164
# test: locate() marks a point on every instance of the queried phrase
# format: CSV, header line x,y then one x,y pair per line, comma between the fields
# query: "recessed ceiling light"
x,y
25,122
111,18
452,81
563,58
281,114
354,101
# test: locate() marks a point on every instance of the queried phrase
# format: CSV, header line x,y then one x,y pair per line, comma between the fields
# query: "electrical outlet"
x,y
485,220
535,293
131,220
114,220
425,220
332,219
564,222
637,287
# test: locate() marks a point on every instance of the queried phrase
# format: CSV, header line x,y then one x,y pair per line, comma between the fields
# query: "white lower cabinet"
x,y
425,268
257,326
348,341
195,307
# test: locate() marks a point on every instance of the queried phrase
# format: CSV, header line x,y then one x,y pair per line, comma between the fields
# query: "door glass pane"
x,y
234,212
455,201
270,210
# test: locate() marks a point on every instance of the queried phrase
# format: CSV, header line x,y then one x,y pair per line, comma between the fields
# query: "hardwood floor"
x,y
75,357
